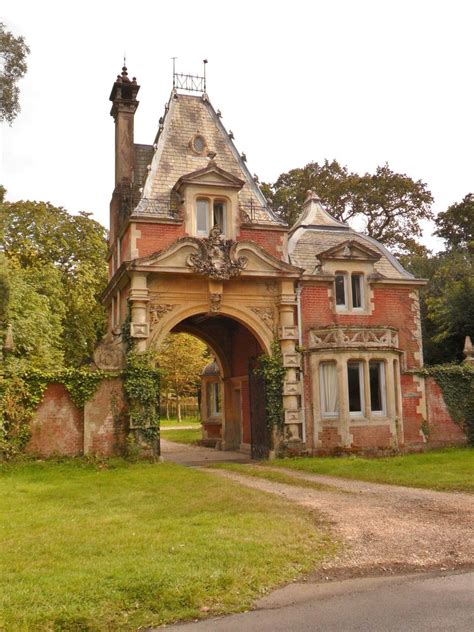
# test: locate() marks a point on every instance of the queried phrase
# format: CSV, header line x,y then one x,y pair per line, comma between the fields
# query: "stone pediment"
x,y
215,258
210,175
350,250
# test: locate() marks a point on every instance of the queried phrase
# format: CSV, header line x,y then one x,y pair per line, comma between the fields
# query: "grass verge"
x,y
191,421
182,436
447,469
117,546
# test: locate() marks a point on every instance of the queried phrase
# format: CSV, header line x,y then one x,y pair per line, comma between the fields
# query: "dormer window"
x,y
349,290
210,212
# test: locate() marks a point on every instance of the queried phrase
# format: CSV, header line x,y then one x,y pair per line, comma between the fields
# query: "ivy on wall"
x,y
272,370
20,395
141,383
456,382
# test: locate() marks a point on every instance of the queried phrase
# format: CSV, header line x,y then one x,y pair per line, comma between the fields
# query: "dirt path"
x,y
383,528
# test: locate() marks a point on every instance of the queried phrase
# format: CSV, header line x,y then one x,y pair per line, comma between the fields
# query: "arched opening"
x,y
226,409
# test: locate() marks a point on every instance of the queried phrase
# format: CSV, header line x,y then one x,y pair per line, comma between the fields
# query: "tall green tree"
x,y
456,225
181,359
13,66
64,257
389,205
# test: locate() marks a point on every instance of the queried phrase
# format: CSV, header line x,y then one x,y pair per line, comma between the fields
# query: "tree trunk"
x,y
178,410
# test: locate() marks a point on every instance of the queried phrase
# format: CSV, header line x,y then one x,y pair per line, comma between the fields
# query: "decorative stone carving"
x,y
368,337
288,332
158,311
265,314
291,360
215,302
292,388
468,351
216,258
109,355
292,417
139,330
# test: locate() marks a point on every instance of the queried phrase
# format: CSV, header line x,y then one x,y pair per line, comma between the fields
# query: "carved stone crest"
x,y
216,258
109,355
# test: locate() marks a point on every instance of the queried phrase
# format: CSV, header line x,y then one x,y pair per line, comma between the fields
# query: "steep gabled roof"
x,y
186,118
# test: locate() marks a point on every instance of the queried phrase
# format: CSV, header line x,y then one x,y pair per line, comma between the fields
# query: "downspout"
x,y
300,345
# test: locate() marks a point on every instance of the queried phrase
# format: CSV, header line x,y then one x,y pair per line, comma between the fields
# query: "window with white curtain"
x,y
329,389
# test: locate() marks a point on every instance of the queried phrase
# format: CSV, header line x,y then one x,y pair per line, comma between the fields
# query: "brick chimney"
x,y
124,105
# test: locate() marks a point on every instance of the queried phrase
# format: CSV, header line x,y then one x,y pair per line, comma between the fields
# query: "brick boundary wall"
x,y
443,431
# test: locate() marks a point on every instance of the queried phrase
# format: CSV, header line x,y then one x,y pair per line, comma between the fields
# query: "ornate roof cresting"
x,y
216,258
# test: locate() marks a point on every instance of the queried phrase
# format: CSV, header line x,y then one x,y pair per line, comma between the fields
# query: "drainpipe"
x,y
300,344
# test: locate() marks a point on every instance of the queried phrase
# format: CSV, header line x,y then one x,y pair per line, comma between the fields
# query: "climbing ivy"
x,y
457,385
273,372
21,393
141,384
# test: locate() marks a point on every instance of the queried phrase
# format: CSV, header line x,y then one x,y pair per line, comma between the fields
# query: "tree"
x,y
390,205
456,225
181,358
13,66
64,257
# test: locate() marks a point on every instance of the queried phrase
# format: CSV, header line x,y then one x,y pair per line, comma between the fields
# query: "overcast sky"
x,y
362,81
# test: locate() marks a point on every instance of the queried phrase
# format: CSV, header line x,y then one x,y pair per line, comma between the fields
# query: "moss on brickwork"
x,y
457,386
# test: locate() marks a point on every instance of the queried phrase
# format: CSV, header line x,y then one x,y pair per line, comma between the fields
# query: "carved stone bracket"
x,y
216,258
265,314
158,311
215,299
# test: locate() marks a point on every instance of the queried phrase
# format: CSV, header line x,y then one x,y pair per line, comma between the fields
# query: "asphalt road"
x,y
422,602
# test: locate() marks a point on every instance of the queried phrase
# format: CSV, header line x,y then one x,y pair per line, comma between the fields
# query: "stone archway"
x,y
235,345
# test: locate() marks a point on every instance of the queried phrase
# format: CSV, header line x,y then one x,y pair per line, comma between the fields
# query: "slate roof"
x,y
187,116
317,231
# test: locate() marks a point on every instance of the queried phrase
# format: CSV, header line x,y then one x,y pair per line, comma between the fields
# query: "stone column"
x,y
288,334
138,297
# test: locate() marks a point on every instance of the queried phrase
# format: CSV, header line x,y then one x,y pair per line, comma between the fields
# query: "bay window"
x,y
355,381
329,389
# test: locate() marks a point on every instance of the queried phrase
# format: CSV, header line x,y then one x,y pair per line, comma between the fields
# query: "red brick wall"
x,y
442,429
269,240
103,420
57,425
155,237
244,346
393,307
371,437
330,438
125,246
411,400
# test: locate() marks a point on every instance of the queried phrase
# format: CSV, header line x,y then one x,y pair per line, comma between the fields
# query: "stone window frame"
x,y
212,199
348,306
391,392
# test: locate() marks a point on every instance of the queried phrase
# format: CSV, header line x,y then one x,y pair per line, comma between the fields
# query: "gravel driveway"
x,y
383,528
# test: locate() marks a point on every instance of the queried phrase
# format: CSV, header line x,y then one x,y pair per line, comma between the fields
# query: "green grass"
x,y
259,471
448,469
182,436
116,546
192,421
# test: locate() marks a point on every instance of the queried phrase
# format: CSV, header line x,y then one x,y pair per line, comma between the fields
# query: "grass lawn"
x,y
192,421
447,469
116,546
182,436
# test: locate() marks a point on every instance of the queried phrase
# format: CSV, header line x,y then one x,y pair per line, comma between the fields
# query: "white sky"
x,y
362,81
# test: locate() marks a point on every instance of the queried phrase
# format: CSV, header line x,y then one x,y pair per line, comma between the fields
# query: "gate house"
x,y
195,248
